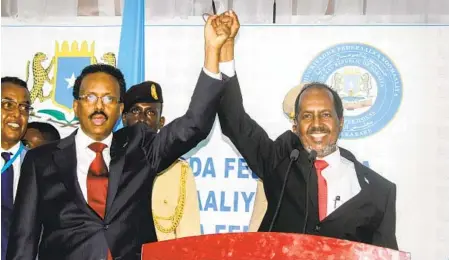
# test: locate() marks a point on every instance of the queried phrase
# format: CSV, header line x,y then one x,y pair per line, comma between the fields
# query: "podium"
x,y
263,245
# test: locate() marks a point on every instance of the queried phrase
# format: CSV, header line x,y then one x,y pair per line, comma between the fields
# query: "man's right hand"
x,y
215,35
230,20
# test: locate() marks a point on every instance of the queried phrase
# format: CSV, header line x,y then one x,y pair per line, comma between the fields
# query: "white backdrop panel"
x,y
411,149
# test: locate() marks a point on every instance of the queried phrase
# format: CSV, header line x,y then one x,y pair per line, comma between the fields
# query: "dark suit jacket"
x,y
49,198
7,214
369,217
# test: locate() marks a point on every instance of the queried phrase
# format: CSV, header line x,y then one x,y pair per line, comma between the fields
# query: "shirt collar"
x,y
332,159
83,141
13,149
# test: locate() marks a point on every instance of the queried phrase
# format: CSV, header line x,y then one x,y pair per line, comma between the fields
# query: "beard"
x,y
326,150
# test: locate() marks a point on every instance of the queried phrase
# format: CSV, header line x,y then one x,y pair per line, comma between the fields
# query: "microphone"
x,y
293,157
311,157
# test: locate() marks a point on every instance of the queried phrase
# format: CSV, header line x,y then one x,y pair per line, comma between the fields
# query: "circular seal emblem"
x,y
367,81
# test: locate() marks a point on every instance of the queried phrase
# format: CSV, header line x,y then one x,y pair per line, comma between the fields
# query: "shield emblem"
x,y
351,84
69,62
354,88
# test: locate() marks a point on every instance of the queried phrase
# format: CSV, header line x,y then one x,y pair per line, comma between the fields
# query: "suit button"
x,y
317,228
105,227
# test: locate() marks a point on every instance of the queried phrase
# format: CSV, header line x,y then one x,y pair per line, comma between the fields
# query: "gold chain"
x,y
179,210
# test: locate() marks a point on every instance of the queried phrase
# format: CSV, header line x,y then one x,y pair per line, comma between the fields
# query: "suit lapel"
x,y
313,186
66,161
359,198
307,170
309,175
118,149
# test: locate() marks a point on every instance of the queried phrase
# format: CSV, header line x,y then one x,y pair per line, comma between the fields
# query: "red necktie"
x,y
97,182
322,188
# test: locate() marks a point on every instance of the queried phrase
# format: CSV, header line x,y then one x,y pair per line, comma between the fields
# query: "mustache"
x,y
98,113
318,130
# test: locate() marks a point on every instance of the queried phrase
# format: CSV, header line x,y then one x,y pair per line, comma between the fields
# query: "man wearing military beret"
x,y
174,198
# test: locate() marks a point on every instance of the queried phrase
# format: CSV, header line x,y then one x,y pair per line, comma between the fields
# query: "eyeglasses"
x,y
149,112
92,99
10,105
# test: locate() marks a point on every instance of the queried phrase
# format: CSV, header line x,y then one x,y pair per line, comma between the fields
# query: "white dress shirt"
x,y
16,167
85,156
228,68
341,179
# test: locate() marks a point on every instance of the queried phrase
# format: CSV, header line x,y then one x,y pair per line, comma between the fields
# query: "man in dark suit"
x,y
16,108
345,199
86,196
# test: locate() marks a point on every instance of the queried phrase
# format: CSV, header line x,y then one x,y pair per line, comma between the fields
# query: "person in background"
x,y
16,109
39,133
260,207
175,204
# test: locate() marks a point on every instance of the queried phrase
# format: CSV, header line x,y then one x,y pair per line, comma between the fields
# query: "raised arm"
x,y
248,137
25,227
185,132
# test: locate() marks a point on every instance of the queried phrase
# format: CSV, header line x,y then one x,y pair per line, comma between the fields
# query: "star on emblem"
x,y
71,81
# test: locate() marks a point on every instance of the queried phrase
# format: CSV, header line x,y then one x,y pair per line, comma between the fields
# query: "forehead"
x,y
33,133
99,82
143,105
15,92
315,98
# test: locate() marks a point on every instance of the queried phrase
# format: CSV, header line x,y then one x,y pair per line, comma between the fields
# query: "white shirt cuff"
x,y
217,76
228,68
